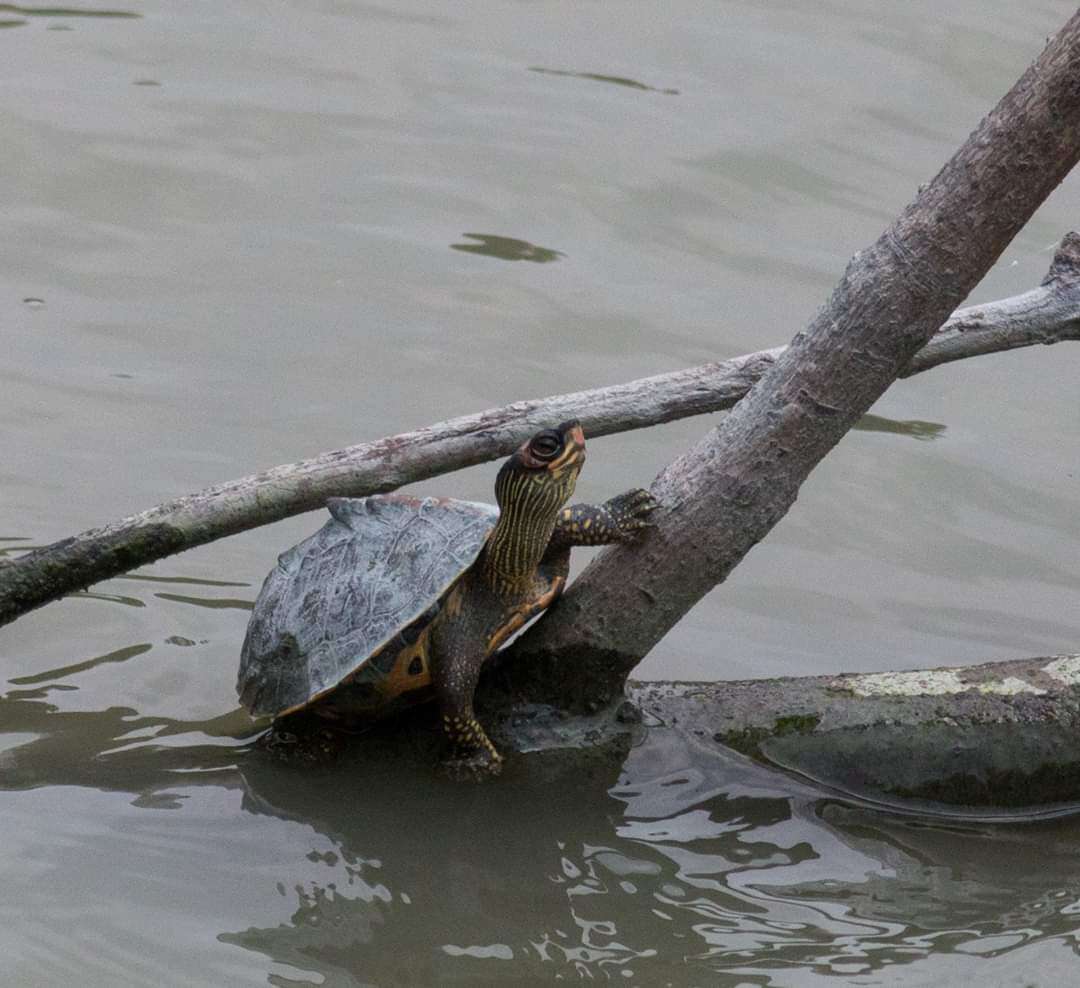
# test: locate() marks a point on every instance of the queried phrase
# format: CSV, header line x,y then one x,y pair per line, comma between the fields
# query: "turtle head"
x,y
540,476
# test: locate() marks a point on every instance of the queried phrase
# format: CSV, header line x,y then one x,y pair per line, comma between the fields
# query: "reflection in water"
x,y
915,428
19,549
684,866
196,581
13,549
507,248
119,655
115,749
112,598
705,869
12,8
215,603
613,79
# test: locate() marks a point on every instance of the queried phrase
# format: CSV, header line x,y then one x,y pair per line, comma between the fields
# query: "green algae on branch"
x,y
748,741
796,724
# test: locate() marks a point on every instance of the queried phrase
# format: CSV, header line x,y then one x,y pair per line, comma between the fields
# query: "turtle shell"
x,y
335,599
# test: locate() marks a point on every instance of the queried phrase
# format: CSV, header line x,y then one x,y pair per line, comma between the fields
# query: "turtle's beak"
x,y
573,444
573,434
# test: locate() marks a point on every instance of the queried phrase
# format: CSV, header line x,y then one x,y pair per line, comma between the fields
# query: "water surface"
x,y
237,235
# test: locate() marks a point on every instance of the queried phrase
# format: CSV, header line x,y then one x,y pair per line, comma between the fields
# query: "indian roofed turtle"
x,y
400,599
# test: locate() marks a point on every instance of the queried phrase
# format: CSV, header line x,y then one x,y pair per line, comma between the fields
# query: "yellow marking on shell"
x,y
399,680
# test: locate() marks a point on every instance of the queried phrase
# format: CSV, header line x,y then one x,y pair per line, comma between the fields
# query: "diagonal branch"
x,y
725,494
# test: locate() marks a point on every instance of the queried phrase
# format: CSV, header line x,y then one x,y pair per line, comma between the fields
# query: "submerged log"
x,y
982,739
987,741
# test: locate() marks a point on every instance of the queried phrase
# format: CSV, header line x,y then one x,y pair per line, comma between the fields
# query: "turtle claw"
x,y
474,767
307,744
631,511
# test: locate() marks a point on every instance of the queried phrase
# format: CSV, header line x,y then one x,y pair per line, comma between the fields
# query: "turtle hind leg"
x,y
470,753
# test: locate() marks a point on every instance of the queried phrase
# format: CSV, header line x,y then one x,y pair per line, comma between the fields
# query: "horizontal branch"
x,y
1047,314
1039,317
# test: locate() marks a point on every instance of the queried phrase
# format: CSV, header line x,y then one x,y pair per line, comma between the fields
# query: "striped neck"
x,y
528,511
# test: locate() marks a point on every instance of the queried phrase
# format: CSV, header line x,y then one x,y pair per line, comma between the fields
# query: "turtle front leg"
x,y
619,519
470,751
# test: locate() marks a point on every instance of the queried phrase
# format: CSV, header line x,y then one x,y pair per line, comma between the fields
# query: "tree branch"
x,y
1047,314
1020,321
725,494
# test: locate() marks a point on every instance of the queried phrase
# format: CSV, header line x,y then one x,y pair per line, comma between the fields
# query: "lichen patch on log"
x,y
931,682
1065,670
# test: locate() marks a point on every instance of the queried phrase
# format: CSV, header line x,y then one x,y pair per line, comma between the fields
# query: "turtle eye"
x,y
545,445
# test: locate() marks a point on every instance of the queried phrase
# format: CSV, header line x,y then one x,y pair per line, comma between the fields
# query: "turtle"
x,y
400,599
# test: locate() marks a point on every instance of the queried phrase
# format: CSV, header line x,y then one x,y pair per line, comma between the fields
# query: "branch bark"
x,y
1047,314
724,495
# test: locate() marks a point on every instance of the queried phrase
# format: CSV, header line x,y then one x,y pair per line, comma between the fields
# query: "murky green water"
x,y
236,235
